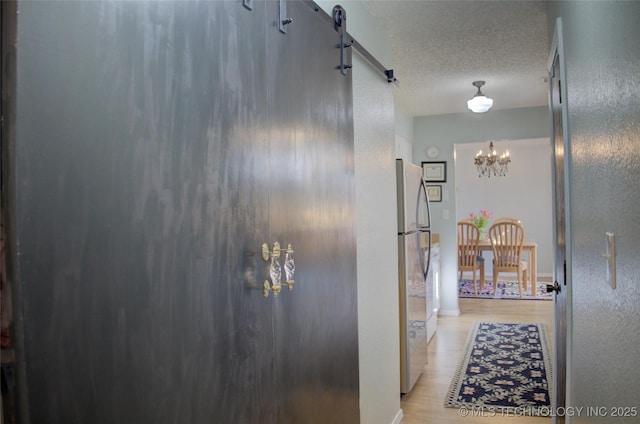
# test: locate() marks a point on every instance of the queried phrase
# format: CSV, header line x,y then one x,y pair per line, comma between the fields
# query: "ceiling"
x,y
441,47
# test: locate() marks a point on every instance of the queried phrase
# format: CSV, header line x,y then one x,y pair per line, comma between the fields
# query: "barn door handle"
x,y
275,273
275,270
289,267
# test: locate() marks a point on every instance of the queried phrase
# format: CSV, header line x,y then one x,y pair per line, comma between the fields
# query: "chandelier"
x,y
491,163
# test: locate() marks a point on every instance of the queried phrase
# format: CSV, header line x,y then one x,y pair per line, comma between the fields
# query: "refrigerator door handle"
x,y
425,270
423,193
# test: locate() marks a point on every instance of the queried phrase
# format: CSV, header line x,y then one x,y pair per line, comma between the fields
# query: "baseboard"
x,y
449,312
398,417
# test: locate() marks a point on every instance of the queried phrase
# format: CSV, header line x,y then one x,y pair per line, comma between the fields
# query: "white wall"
x,y
404,149
403,124
378,298
404,135
524,193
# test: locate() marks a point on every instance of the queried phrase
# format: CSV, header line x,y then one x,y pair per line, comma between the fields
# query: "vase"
x,y
483,234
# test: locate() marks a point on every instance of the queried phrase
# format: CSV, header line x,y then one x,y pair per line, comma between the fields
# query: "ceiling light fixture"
x,y
479,103
491,163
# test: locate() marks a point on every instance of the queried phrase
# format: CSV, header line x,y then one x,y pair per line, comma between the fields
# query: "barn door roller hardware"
x,y
283,19
340,25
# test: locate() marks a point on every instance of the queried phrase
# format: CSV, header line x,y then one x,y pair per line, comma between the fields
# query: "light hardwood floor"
x,y
425,403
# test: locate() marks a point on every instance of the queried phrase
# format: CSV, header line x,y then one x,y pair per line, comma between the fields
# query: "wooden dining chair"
x,y
469,258
507,237
507,219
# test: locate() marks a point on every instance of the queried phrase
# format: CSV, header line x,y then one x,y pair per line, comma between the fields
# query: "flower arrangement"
x,y
482,221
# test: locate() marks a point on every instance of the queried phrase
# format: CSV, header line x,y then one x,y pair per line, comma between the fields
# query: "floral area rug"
x,y
506,290
505,369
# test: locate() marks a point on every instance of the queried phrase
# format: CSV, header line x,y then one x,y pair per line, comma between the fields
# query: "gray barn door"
x,y
312,206
157,146
140,190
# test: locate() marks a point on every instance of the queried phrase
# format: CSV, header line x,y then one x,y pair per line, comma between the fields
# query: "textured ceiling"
x,y
441,47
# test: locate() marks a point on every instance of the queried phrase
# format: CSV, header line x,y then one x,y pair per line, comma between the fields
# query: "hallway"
x,y
425,402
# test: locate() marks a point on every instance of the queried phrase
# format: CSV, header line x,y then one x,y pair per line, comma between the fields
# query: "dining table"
x,y
528,246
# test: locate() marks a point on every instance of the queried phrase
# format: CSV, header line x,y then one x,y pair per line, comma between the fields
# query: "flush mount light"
x,y
479,103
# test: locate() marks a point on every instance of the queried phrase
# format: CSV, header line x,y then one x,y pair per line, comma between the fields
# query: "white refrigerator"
x,y
414,251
